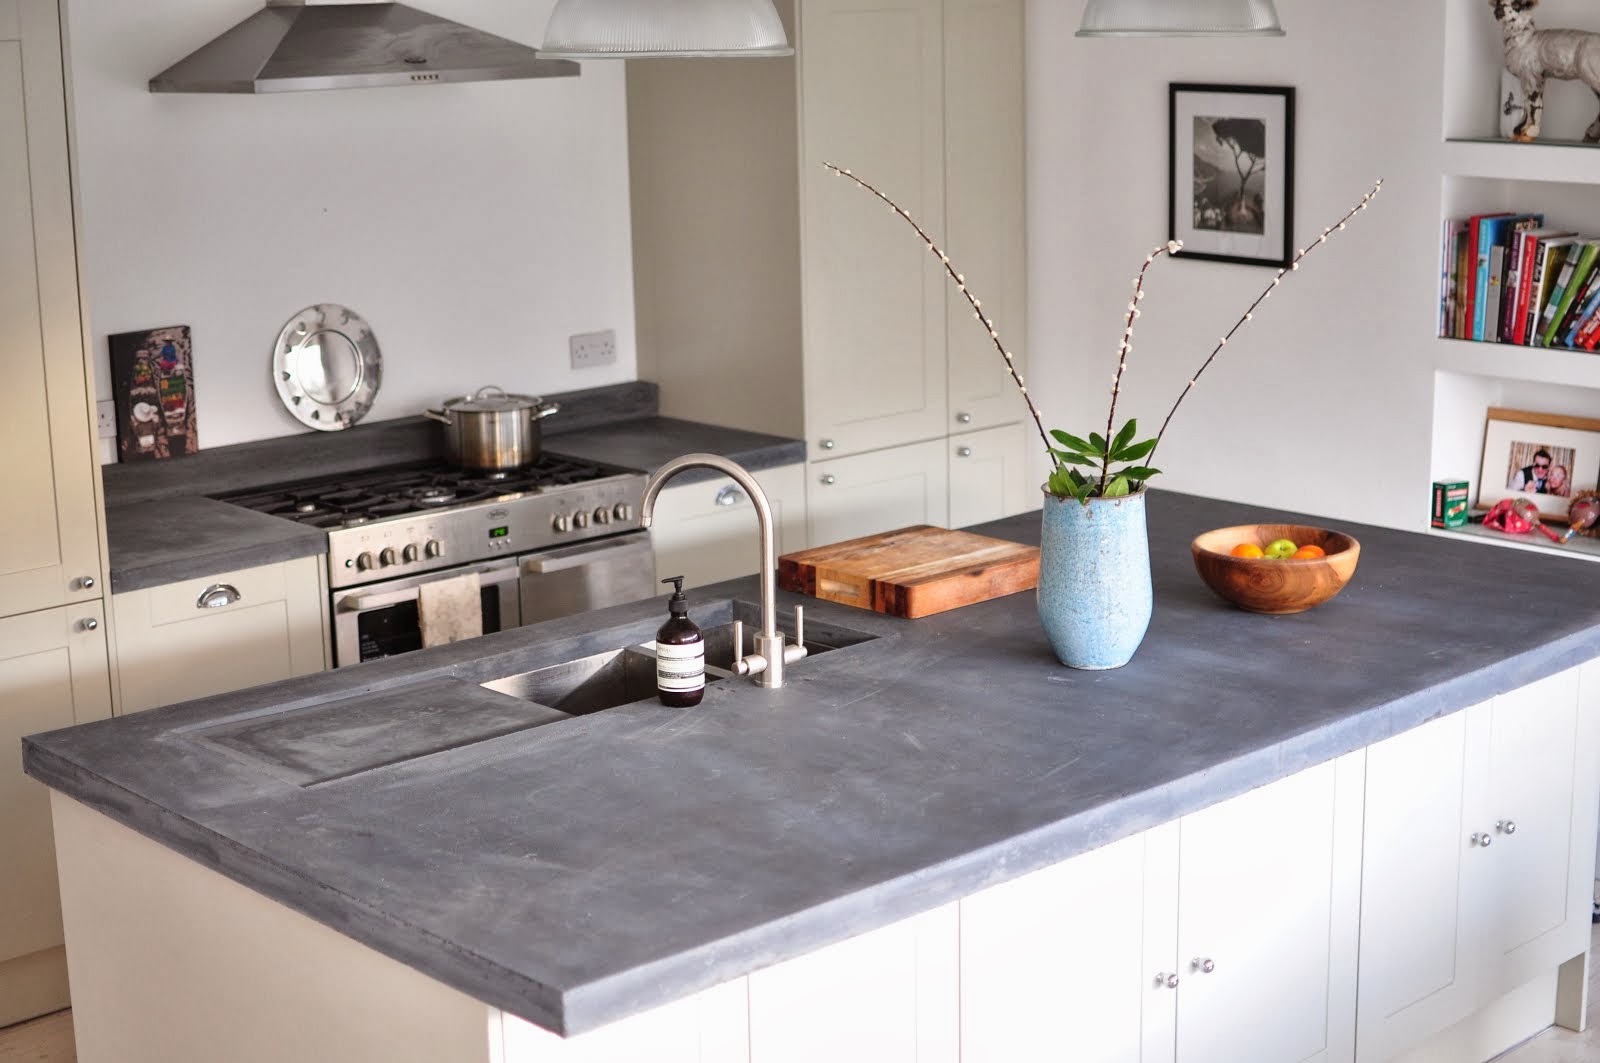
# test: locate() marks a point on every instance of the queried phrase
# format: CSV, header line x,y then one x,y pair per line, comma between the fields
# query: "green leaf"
x,y
1135,452
1076,459
1138,472
1070,441
1097,444
1125,435
1117,487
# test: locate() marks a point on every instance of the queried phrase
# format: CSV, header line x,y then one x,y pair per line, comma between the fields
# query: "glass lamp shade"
x,y
1180,18
641,29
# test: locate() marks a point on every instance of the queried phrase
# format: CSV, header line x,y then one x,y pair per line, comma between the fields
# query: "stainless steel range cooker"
x,y
557,537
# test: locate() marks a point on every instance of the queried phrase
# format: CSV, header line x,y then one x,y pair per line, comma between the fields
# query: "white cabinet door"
x,y
877,492
889,996
1052,965
707,532
53,673
984,206
988,473
1417,972
49,524
1268,885
709,1027
873,298
172,645
1530,922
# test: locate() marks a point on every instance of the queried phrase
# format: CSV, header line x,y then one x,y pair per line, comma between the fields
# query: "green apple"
x,y
1281,548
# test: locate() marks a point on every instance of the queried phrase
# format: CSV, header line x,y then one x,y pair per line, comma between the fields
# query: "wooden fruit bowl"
x,y
1267,585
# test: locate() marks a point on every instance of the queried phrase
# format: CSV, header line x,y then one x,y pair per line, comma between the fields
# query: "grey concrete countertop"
x,y
576,870
650,442
170,539
161,526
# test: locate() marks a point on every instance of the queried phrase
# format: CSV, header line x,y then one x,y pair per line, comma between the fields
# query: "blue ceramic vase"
x,y
1094,579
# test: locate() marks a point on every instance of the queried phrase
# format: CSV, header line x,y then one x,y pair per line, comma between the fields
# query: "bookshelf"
x,y
1480,172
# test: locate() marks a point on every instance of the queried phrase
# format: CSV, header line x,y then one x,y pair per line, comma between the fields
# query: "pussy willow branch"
x,y
1249,313
961,283
1126,346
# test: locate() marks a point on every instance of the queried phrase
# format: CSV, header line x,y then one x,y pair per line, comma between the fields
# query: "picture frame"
x,y
1515,442
1230,194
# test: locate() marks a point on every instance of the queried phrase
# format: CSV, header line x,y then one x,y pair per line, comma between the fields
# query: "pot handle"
x,y
438,415
546,410
488,389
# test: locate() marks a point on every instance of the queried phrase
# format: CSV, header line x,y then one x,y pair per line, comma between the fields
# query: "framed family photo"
x,y
1231,186
1543,457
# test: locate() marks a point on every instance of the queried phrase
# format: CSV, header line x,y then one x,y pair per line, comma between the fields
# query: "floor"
x,y
49,1039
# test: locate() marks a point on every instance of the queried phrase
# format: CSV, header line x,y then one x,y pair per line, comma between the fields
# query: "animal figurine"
x,y
1533,55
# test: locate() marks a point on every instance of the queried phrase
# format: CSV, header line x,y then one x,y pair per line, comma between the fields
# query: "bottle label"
x,y
681,668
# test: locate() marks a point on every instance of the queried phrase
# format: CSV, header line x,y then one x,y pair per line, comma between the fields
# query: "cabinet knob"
x,y
963,418
88,623
827,479
1482,840
827,444
1203,964
85,582
1168,980
1506,826
963,452
729,496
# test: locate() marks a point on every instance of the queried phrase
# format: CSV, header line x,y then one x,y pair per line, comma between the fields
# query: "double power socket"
x,y
591,350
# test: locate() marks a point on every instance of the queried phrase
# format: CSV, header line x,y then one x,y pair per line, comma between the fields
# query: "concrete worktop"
x,y
162,526
576,870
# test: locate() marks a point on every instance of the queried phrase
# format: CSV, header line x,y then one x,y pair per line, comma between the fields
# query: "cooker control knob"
x,y
386,556
602,515
580,519
411,552
434,548
561,523
623,511
364,560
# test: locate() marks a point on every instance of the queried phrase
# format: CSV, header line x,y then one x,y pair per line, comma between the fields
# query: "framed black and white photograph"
x,y
1231,191
1542,457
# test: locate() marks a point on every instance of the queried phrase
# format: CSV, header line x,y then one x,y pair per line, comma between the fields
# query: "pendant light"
x,y
1180,18
649,29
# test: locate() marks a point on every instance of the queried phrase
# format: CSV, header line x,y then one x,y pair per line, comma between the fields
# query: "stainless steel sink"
x,y
622,676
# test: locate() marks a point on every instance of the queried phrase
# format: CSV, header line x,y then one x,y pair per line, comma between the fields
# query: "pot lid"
x,y
492,400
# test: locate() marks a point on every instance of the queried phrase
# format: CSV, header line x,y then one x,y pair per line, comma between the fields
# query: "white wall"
x,y
1323,402
474,226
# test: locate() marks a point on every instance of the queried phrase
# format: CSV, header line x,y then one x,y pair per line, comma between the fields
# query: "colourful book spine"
x,y
1469,276
1582,306
1575,273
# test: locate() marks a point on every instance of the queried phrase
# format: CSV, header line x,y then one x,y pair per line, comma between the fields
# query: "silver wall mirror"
x,y
327,367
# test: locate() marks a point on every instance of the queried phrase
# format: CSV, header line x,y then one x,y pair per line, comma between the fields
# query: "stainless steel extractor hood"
x,y
297,45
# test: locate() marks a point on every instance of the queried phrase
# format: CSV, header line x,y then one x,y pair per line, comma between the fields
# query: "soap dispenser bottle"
x,y
680,653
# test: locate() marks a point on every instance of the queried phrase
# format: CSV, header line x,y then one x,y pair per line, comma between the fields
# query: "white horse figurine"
x,y
1533,55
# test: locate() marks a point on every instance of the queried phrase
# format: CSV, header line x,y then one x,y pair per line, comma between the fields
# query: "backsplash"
x,y
475,226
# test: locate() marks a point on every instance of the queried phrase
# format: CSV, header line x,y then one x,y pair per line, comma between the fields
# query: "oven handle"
x,y
638,542
361,603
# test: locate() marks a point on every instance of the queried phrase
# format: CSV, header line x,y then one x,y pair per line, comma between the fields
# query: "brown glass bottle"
x,y
680,653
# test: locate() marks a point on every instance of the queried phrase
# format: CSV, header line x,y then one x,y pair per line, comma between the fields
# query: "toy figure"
x,y
1533,55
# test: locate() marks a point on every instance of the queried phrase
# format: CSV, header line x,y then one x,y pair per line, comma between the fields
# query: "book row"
x,y
1510,278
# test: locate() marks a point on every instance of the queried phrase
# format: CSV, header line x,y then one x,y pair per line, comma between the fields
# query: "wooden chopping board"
x,y
912,572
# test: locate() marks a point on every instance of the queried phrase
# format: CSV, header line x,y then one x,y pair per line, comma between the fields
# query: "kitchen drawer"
x,y
707,532
262,624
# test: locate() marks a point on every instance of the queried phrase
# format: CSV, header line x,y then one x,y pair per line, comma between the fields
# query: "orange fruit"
x,y
1311,550
1247,550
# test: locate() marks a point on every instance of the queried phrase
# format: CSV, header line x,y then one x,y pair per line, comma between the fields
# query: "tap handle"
x,y
799,625
738,645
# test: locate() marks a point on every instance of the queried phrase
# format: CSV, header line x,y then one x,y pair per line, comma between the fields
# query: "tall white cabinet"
x,y
775,296
53,660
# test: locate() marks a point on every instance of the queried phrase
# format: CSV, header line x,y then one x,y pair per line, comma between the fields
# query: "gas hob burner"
x,y
306,507
350,520
432,495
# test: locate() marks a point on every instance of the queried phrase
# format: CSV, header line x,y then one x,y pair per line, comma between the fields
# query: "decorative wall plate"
x,y
327,366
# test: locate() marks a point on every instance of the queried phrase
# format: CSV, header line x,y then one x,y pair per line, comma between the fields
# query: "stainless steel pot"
x,y
492,430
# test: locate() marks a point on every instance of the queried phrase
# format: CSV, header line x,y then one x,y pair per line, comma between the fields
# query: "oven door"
x,y
575,579
380,619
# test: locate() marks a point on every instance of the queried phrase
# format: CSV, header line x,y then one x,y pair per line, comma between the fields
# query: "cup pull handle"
x,y
218,595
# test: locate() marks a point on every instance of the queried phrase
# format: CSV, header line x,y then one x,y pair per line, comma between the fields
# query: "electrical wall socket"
x,y
593,349
105,411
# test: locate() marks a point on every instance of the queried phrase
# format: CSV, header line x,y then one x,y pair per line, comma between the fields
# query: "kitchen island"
x,y
425,866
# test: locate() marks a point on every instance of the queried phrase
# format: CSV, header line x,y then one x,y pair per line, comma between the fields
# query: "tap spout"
x,y
770,656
